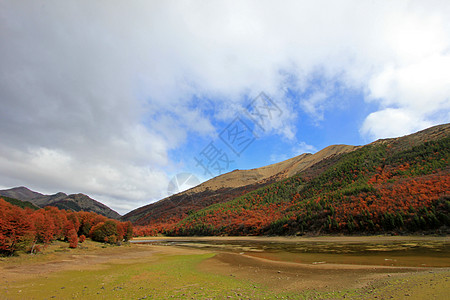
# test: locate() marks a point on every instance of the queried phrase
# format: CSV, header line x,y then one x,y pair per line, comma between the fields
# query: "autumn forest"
x,y
28,230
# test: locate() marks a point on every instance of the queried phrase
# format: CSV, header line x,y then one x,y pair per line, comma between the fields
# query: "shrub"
x,y
73,238
104,232
82,238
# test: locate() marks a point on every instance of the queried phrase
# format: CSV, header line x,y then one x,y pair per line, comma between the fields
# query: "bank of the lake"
x,y
202,268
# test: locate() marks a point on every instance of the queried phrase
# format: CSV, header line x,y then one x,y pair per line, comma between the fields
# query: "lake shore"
x,y
164,271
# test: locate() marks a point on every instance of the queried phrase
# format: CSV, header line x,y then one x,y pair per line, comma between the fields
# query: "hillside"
x,y
396,184
20,203
227,187
75,202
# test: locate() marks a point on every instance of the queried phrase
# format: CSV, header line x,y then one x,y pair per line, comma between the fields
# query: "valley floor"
x,y
154,271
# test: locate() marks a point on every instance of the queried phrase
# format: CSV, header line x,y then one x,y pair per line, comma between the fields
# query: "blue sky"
x,y
113,100
339,124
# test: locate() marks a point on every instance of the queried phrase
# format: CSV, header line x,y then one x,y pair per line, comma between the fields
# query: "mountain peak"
x,y
21,193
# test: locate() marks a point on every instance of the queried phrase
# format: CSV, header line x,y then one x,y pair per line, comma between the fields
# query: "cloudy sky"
x,y
114,98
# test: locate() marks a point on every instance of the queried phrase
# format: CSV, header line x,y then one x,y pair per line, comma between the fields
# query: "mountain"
x,y
397,184
21,193
75,202
228,186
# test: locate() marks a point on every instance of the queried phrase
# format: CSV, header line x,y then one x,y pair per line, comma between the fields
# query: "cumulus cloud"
x,y
412,97
392,122
95,94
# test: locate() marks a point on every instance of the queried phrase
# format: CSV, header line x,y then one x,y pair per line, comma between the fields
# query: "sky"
x,y
113,99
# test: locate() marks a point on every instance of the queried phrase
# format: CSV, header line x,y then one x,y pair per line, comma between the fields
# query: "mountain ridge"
x,y
75,202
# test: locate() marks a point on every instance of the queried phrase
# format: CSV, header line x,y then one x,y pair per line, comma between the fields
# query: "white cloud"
x,y
417,93
413,86
99,92
314,105
392,122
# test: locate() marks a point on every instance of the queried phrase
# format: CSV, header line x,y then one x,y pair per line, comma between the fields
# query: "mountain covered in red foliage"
x,y
391,185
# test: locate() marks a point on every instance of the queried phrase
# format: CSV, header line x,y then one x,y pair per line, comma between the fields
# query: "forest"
x,y
27,229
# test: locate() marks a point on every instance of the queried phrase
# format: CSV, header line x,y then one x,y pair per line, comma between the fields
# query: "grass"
x,y
175,275
160,277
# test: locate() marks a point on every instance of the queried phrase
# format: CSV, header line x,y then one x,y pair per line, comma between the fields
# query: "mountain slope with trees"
x,y
20,203
391,185
227,187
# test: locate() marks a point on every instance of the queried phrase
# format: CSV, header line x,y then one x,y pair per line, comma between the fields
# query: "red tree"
x,y
73,238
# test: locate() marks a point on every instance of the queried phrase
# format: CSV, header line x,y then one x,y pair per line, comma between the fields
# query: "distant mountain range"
x,y
400,183
75,202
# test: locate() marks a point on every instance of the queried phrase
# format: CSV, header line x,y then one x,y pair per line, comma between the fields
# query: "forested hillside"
x,y
394,185
20,203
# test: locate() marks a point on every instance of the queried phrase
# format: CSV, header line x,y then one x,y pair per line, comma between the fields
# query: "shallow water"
x,y
411,253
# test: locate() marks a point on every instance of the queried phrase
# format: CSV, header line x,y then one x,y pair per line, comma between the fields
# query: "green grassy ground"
x,y
167,277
